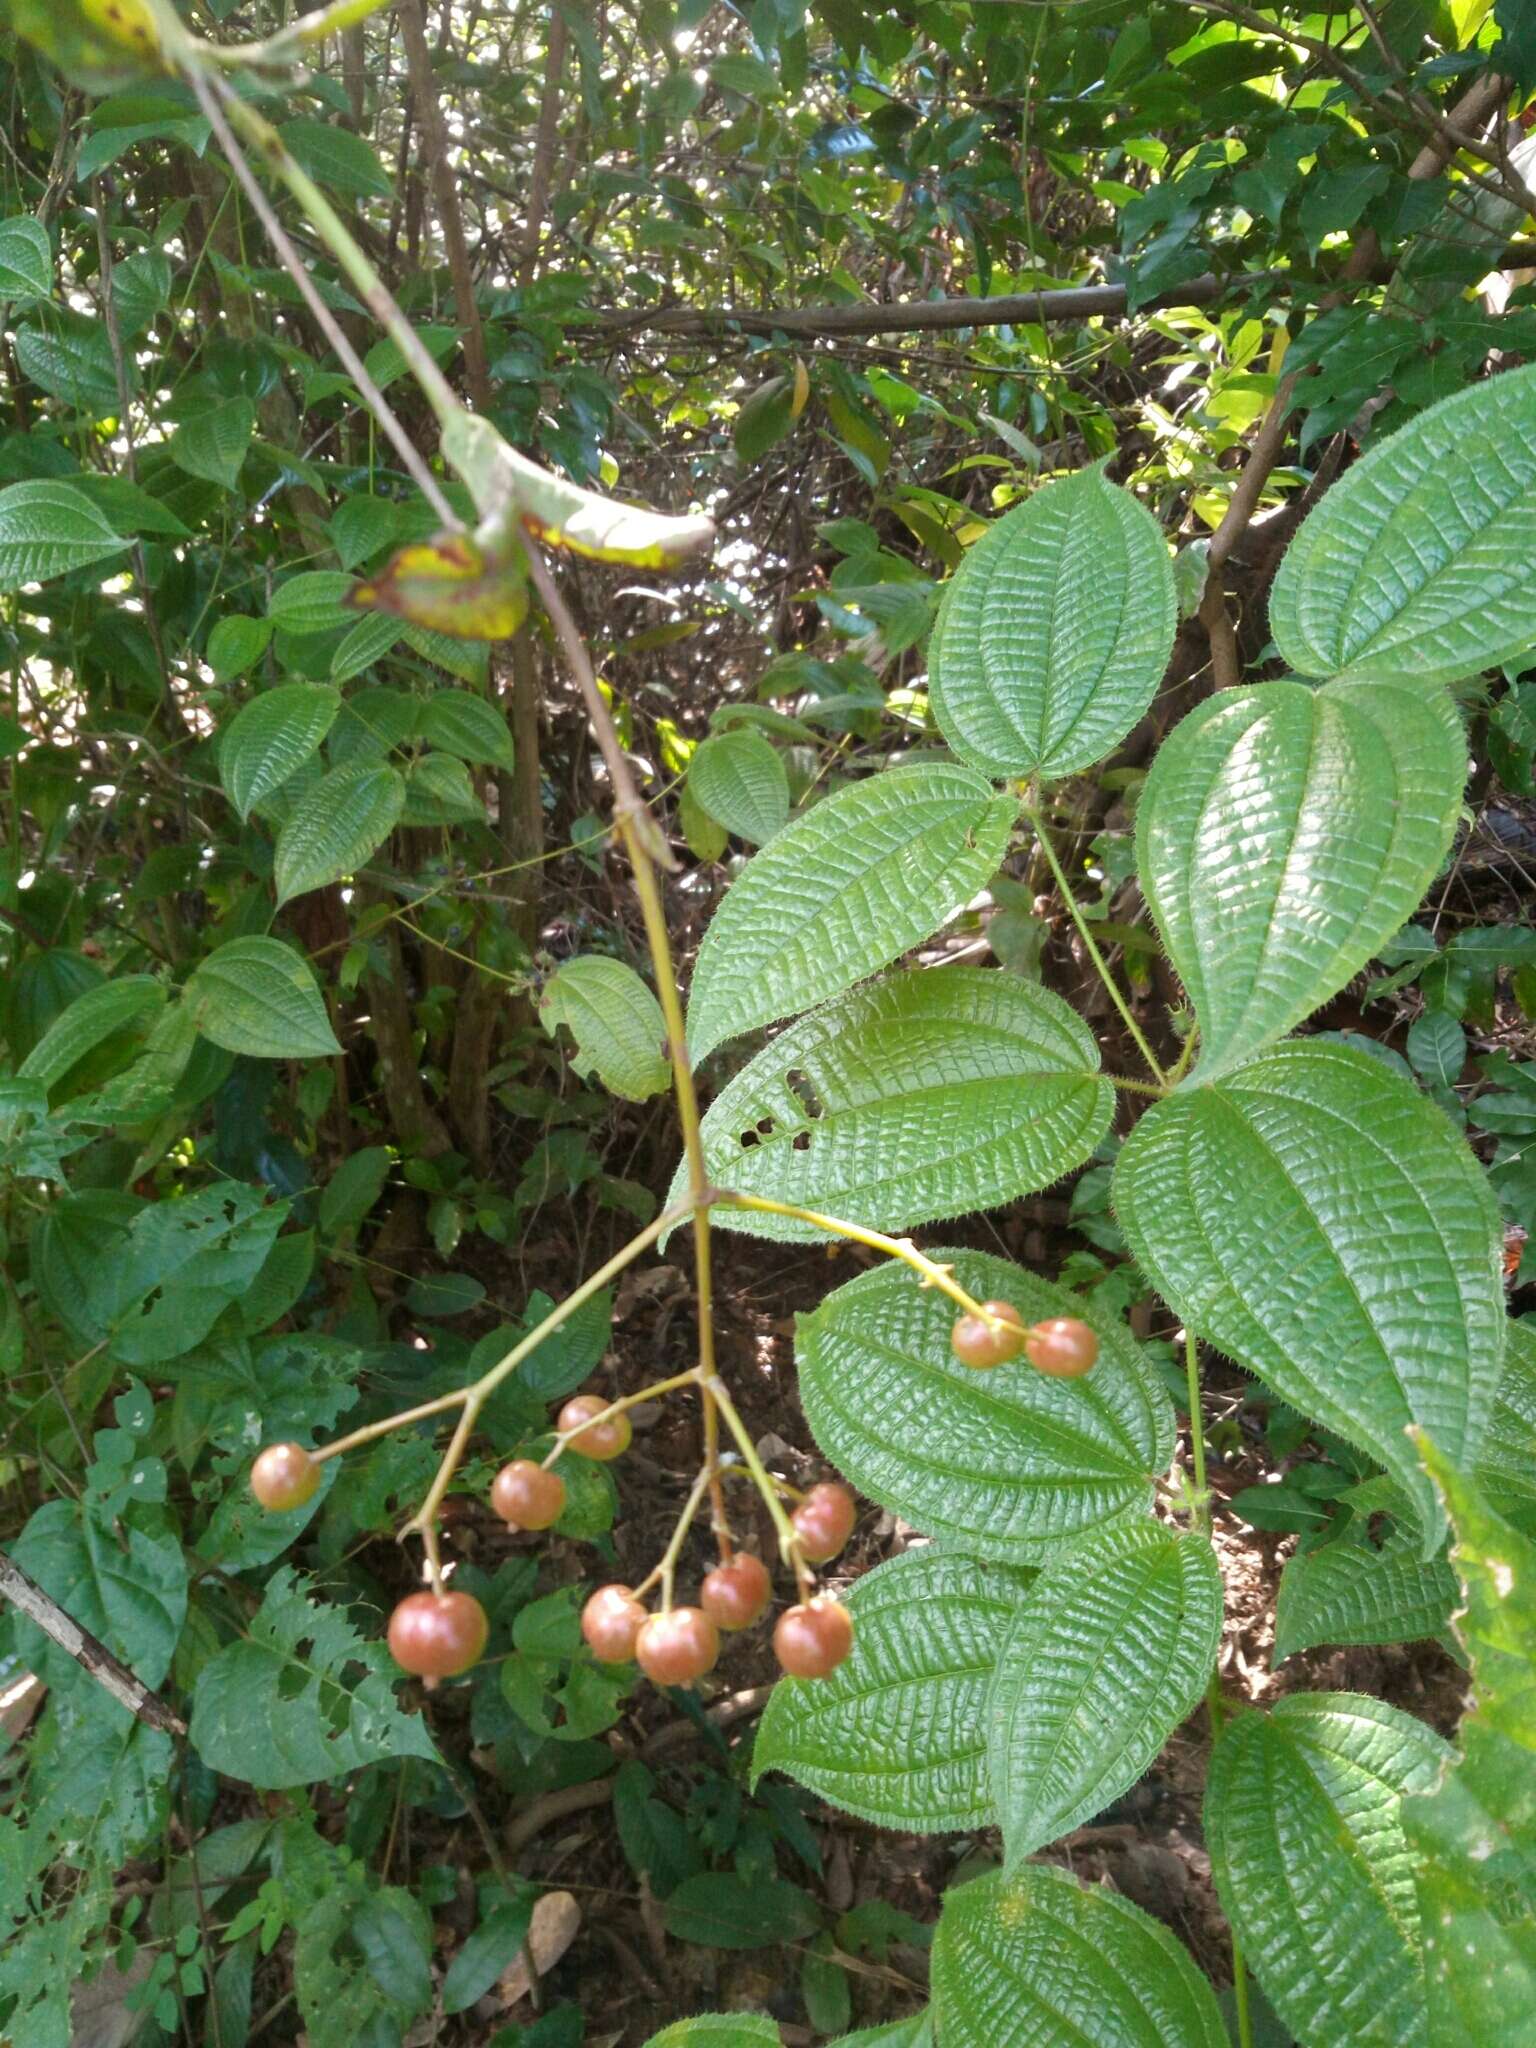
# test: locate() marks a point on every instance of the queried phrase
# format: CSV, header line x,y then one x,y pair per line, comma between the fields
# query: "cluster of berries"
x,y
442,1634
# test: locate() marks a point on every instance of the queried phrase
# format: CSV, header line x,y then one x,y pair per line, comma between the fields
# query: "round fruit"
x,y
1063,1347
610,1622
736,1594
284,1476
438,1635
811,1641
677,1647
604,1440
824,1521
980,1344
526,1496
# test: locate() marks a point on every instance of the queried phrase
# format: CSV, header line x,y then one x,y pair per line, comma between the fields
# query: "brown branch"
x,y
93,1656
434,140
545,138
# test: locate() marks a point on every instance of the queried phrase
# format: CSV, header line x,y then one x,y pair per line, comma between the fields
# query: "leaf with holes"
x,y
1054,632
1303,1815
1417,563
303,1697
1475,1830
1356,1591
259,997
1040,1959
1321,1223
214,441
897,1734
928,1095
845,890
49,527
1284,835
739,779
1010,1463
616,1022
1109,1651
272,737
336,825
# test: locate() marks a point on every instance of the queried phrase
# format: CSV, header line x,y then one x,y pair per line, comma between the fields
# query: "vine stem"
x,y
931,1272
1215,1706
653,1392
665,1569
789,1541
1090,944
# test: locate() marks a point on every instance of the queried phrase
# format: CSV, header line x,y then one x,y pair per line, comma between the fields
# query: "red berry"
x,y
824,1521
1062,1347
526,1496
811,1641
736,1594
610,1621
980,1344
438,1635
604,1440
284,1476
677,1647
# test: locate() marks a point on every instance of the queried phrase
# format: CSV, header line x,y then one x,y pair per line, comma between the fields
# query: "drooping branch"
x,y
93,1656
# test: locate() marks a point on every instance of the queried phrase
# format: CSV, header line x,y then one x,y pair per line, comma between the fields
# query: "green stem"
x,y
1090,945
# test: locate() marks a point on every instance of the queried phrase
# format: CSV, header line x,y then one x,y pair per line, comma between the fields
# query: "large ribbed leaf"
x,y
1054,632
898,1733
842,892
1421,561
1008,1463
928,1095
1321,1222
1475,1831
1109,1651
740,781
1285,834
1506,1465
1303,1818
615,1020
271,738
335,826
1353,1591
1040,1961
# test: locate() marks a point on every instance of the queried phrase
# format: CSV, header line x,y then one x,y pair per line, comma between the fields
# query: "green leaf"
x,y
1303,1818
236,644
897,1734
124,1580
717,1910
354,1187
337,158
1354,1591
272,737
767,415
312,602
1010,1463
1506,1465
718,2030
284,1706
71,359
259,997
873,870
26,259
1475,1830
361,1962
212,444
1108,1653
456,723
916,2032
48,528
1321,1223
335,826
1283,836
927,1095
369,640
128,508
1437,1048
360,527
93,1018
438,791
486,1953
739,779
1041,1960
616,1022
1054,632
1417,563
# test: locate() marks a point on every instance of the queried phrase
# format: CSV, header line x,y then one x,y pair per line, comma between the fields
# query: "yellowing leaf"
x,y
801,390
97,44
450,585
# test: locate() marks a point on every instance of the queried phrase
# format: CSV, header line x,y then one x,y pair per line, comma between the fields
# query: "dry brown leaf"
x,y
556,1917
